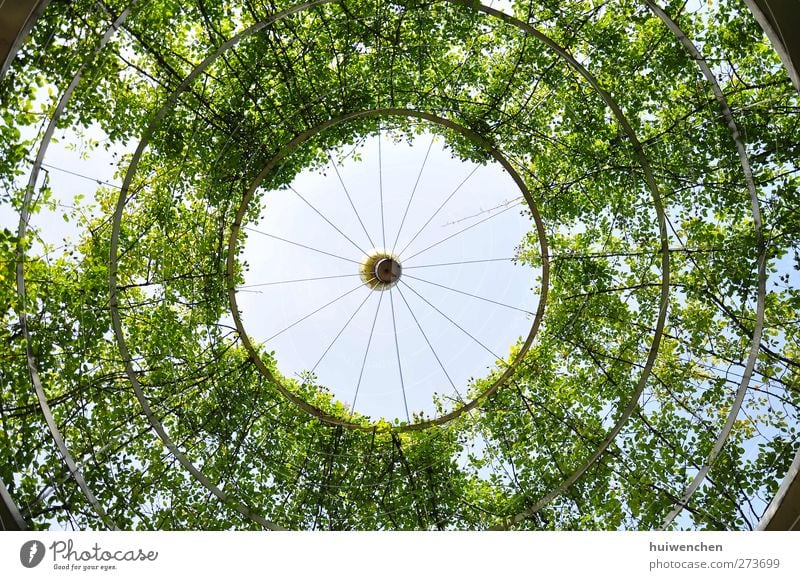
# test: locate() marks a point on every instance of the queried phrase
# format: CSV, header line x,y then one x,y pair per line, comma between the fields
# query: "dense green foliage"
x,y
614,369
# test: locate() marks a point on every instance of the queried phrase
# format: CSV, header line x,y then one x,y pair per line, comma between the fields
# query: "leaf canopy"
x,y
660,391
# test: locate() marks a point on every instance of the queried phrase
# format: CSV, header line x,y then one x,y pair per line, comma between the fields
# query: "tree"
x,y
658,146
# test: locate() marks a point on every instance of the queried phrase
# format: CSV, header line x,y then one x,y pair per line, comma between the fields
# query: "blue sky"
x,y
481,192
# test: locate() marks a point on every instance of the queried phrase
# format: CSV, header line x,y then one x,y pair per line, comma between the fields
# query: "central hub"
x,y
380,269
388,270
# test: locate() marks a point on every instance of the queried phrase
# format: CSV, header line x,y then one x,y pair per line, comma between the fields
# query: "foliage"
x,y
600,357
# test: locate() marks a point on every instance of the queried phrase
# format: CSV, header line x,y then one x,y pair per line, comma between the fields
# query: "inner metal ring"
x,y
391,266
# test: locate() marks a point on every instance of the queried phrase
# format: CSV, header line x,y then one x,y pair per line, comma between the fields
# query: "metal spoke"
x,y
449,197
397,350
313,313
300,245
380,186
468,294
320,214
453,322
413,191
460,263
81,175
366,353
501,212
433,351
350,199
486,211
297,280
346,324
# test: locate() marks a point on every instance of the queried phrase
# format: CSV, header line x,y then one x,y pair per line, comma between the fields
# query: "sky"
x,y
478,205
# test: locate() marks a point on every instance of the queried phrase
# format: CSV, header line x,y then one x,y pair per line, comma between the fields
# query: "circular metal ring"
x,y
571,62
381,259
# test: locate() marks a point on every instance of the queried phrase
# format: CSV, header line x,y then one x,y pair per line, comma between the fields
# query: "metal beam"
x,y
780,20
10,518
783,512
16,20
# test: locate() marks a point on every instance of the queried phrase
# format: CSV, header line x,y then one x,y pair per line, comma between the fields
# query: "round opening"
x,y
405,290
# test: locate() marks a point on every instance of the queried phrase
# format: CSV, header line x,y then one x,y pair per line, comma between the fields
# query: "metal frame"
x,y
17,18
780,20
784,45
10,518
272,164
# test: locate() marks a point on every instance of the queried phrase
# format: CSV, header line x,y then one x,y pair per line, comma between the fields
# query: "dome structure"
x,y
414,264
